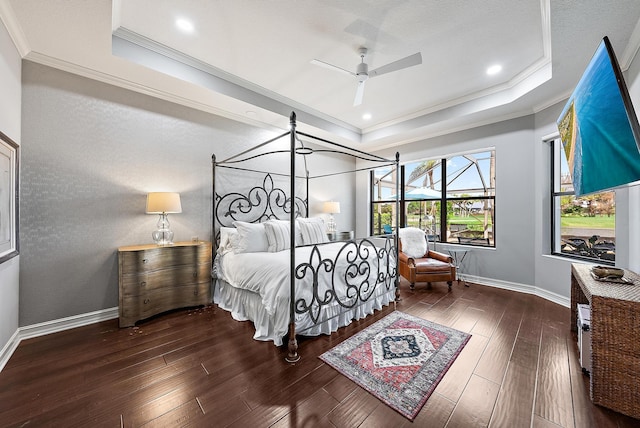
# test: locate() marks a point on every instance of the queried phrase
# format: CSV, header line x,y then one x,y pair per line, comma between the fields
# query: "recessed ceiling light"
x,y
366,116
184,25
494,69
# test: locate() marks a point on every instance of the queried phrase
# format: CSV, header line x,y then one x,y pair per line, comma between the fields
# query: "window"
x,y
452,199
383,204
584,227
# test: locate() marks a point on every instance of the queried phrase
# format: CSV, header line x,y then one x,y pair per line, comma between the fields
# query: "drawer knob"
x,y
146,301
143,283
145,260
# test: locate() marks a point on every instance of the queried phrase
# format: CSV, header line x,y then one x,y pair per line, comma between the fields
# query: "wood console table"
x,y
615,337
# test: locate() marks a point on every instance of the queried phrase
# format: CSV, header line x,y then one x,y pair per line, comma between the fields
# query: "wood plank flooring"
x,y
200,368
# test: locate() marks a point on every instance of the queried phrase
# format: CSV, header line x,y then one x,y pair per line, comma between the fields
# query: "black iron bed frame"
x,y
268,201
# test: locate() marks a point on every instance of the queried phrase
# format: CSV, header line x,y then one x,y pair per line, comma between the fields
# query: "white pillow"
x,y
278,235
299,240
313,231
414,243
298,232
251,238
226,235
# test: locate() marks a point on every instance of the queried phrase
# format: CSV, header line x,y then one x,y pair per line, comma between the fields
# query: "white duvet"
x,y
268,273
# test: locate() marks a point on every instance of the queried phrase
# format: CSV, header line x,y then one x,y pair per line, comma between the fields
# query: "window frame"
x,y
444,200
555,229
372,201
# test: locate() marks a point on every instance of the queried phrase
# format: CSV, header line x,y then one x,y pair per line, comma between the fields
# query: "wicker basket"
x,y
615,337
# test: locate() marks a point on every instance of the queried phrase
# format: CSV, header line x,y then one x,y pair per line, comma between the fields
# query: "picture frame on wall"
x,y
9,198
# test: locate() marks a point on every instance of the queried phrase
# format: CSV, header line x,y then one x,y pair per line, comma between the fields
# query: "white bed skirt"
x,y
246,305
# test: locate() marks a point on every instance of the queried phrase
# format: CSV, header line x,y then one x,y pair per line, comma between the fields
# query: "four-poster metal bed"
x,y
329,284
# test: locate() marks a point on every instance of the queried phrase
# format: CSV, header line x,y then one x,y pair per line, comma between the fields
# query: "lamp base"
x,y
164,235
331,224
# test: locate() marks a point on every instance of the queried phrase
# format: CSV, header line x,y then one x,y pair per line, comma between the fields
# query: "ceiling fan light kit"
x,y
362,73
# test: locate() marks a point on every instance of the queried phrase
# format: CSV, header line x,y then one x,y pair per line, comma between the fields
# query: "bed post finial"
x,y
292,118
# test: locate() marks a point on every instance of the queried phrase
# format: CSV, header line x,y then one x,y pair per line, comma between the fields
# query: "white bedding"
x,y
256,287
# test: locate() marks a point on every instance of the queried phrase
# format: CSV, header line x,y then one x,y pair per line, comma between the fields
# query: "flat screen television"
x,y
599,128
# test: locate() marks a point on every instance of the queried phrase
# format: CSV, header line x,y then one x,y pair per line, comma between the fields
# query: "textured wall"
x,y
91,152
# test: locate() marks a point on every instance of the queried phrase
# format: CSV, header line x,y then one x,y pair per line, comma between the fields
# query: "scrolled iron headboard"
x,y
258,204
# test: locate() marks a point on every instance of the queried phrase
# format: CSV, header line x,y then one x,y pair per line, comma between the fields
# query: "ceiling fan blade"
x,y
359,94
410,61
331,67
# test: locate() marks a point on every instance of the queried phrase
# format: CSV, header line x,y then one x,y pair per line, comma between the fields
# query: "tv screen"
x,y
599,128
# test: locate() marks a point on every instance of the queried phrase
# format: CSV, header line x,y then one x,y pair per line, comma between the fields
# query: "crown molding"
x,y
10,21
156,56
118,81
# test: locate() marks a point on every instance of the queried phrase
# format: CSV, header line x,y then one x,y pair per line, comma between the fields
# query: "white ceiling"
x,y
251,60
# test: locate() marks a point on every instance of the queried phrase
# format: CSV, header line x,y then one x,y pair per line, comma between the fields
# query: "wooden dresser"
x,y
154,279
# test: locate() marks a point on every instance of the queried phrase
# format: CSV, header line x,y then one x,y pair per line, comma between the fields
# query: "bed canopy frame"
x,y
268,201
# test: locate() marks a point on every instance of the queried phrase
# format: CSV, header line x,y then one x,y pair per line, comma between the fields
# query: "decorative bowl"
x,y
607,272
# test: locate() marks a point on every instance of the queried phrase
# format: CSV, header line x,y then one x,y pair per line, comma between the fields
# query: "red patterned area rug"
x,y
400,359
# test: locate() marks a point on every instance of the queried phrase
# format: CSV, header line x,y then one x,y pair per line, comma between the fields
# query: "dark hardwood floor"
x,y
199,367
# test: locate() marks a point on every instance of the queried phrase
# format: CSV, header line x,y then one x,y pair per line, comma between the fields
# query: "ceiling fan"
x,y
362,70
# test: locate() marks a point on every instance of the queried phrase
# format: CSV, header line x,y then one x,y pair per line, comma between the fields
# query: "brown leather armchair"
x,y
432,267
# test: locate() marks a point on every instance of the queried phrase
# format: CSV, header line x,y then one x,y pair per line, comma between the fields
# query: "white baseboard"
x,y
62,324
522,288
53,326
9,349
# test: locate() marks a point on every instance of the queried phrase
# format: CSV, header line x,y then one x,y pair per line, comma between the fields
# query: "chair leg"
x,y
412,285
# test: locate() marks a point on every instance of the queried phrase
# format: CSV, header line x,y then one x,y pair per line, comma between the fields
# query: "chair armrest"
x,y
439,256
405,259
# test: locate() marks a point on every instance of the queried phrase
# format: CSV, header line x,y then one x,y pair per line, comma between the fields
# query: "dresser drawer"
x,y
153,279
137,284
154,302
159,258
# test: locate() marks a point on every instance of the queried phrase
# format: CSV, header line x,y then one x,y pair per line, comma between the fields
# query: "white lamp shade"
x,y
331,207
163,202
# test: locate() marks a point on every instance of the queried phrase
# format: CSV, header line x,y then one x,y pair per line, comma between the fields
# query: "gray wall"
x,y
92,151
10,66
512,259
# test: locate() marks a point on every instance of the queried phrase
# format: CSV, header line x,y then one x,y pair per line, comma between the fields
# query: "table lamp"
x,y
163,203
332,208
